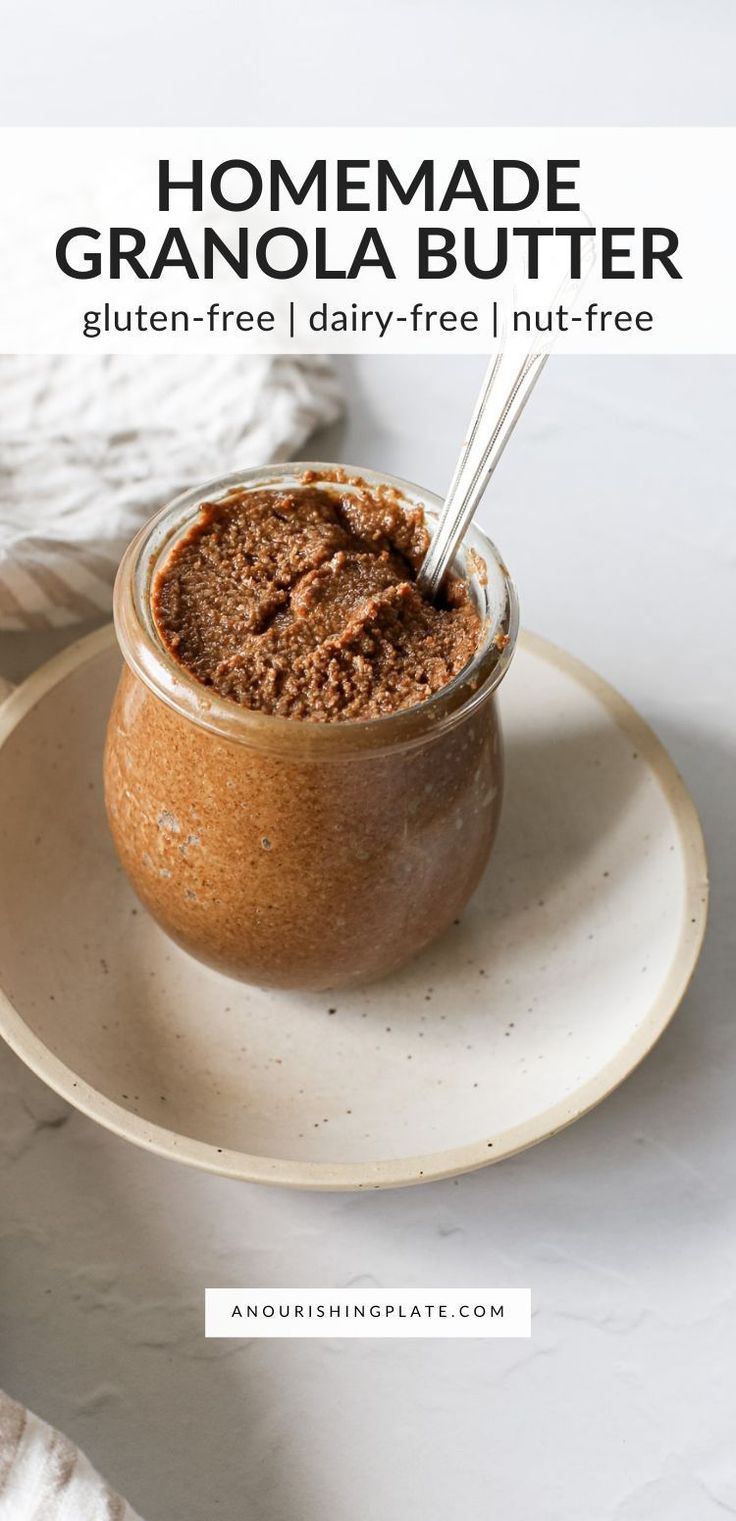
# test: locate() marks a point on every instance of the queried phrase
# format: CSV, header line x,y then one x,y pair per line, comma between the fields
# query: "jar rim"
x,y
148,657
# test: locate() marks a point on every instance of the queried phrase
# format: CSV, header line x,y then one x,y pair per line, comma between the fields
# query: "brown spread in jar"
x,y
302,602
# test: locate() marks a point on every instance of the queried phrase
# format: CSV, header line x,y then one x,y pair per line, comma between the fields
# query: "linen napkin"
x,y
91,446
44,1477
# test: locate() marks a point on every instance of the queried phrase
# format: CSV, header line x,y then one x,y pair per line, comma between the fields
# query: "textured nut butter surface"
x,y
303,603
327,858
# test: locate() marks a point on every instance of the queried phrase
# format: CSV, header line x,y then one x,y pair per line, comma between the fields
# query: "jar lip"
x,y
148,658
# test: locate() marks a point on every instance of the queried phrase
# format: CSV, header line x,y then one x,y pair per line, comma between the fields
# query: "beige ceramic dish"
x,y
566,967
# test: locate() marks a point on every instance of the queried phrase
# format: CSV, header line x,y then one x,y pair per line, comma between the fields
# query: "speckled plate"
x,y
565,969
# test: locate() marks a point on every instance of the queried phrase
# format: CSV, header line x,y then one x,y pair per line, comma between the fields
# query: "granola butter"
x,y
303,604
281,835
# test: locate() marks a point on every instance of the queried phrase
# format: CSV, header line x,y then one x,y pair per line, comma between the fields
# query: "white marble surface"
x,y
615,509
398,62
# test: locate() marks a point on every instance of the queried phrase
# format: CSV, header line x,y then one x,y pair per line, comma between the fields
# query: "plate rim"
x,y
432,1166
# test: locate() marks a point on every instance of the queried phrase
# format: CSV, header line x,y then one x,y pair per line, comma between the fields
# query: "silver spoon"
x,y
506,388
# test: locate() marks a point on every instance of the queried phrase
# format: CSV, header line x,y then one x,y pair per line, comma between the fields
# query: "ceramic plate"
x,y
564,970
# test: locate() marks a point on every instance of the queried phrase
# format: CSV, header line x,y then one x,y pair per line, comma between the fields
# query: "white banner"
x,y
367,240
367,1313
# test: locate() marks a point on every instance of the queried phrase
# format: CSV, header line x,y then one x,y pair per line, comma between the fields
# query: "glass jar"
x,y
290,853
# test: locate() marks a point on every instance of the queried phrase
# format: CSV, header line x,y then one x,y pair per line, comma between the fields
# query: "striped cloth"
x,y
91,446
44,1477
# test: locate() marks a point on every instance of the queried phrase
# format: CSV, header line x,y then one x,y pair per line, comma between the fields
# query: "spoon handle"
x,y
506,388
